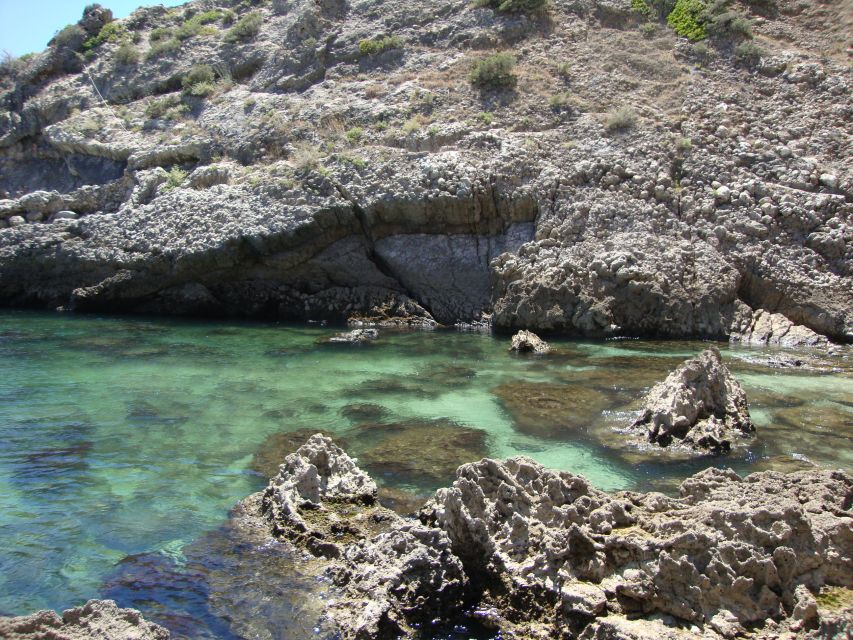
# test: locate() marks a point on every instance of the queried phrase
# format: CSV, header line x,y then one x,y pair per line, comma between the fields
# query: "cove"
x,y
126,441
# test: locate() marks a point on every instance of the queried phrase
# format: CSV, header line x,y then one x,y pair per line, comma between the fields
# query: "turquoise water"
x,y
126,441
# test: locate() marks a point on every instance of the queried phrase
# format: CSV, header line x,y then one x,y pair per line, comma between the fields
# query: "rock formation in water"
x,y
96,620
699,406
542,554
528,342
340,160
356,336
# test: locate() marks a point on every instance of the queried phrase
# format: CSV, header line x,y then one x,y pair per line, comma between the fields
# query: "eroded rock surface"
x,y
542,554
555,554
96,620
762,328
699,406
528,342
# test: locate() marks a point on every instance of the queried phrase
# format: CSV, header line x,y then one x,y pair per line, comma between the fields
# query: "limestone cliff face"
x,y
333,160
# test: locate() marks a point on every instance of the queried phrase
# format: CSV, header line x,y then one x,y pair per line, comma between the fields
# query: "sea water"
x,y
125,442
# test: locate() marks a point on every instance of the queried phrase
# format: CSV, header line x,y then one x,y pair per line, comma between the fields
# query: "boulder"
x,y
528,342
700,406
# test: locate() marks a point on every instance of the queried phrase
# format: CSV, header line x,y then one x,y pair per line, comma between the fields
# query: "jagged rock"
x,y
96,620
699,406
528,342
557,556
275,449
320,498
773,329
356,336
406,576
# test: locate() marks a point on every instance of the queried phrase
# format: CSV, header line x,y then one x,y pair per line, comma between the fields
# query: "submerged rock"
x,y
551,410
97,619
424,451
700,406
356,336
528,342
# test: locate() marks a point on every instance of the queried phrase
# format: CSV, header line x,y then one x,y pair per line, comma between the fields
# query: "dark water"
x,y
125,443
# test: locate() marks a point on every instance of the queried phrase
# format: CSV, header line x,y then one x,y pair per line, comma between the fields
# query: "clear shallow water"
x,y
123,442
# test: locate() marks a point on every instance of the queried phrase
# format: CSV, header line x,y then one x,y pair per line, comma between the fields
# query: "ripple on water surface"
x,y
127,441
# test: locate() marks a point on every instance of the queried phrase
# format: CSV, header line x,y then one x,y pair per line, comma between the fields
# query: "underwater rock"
x,y
356,336
699,406
276,447
361,411
551,410
97,619
528,342
424,451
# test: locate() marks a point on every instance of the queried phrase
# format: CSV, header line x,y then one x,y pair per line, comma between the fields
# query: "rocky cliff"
x,y
372,159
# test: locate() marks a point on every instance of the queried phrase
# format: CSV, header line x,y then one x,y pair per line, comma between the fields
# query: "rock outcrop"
x,y
542,554
528,342
356,336
762,328
700,406
311,176
96,620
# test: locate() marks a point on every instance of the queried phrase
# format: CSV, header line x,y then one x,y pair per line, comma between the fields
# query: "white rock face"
x,y
700,406
762,328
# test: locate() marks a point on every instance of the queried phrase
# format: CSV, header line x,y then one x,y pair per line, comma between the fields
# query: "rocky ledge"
x,y
538,553
96,620
700,406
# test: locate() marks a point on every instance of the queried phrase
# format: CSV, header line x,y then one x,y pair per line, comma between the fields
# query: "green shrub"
x,y
247,27
648,29
486,117
195,25
375,46
514,6
355,134
10,66
701,50
730,25
687,19
127,54
70,37
160,33
494,71
653,9
110,32
559,101
620,119
168,108
228,16
162,48
199,79
176,178
748,52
